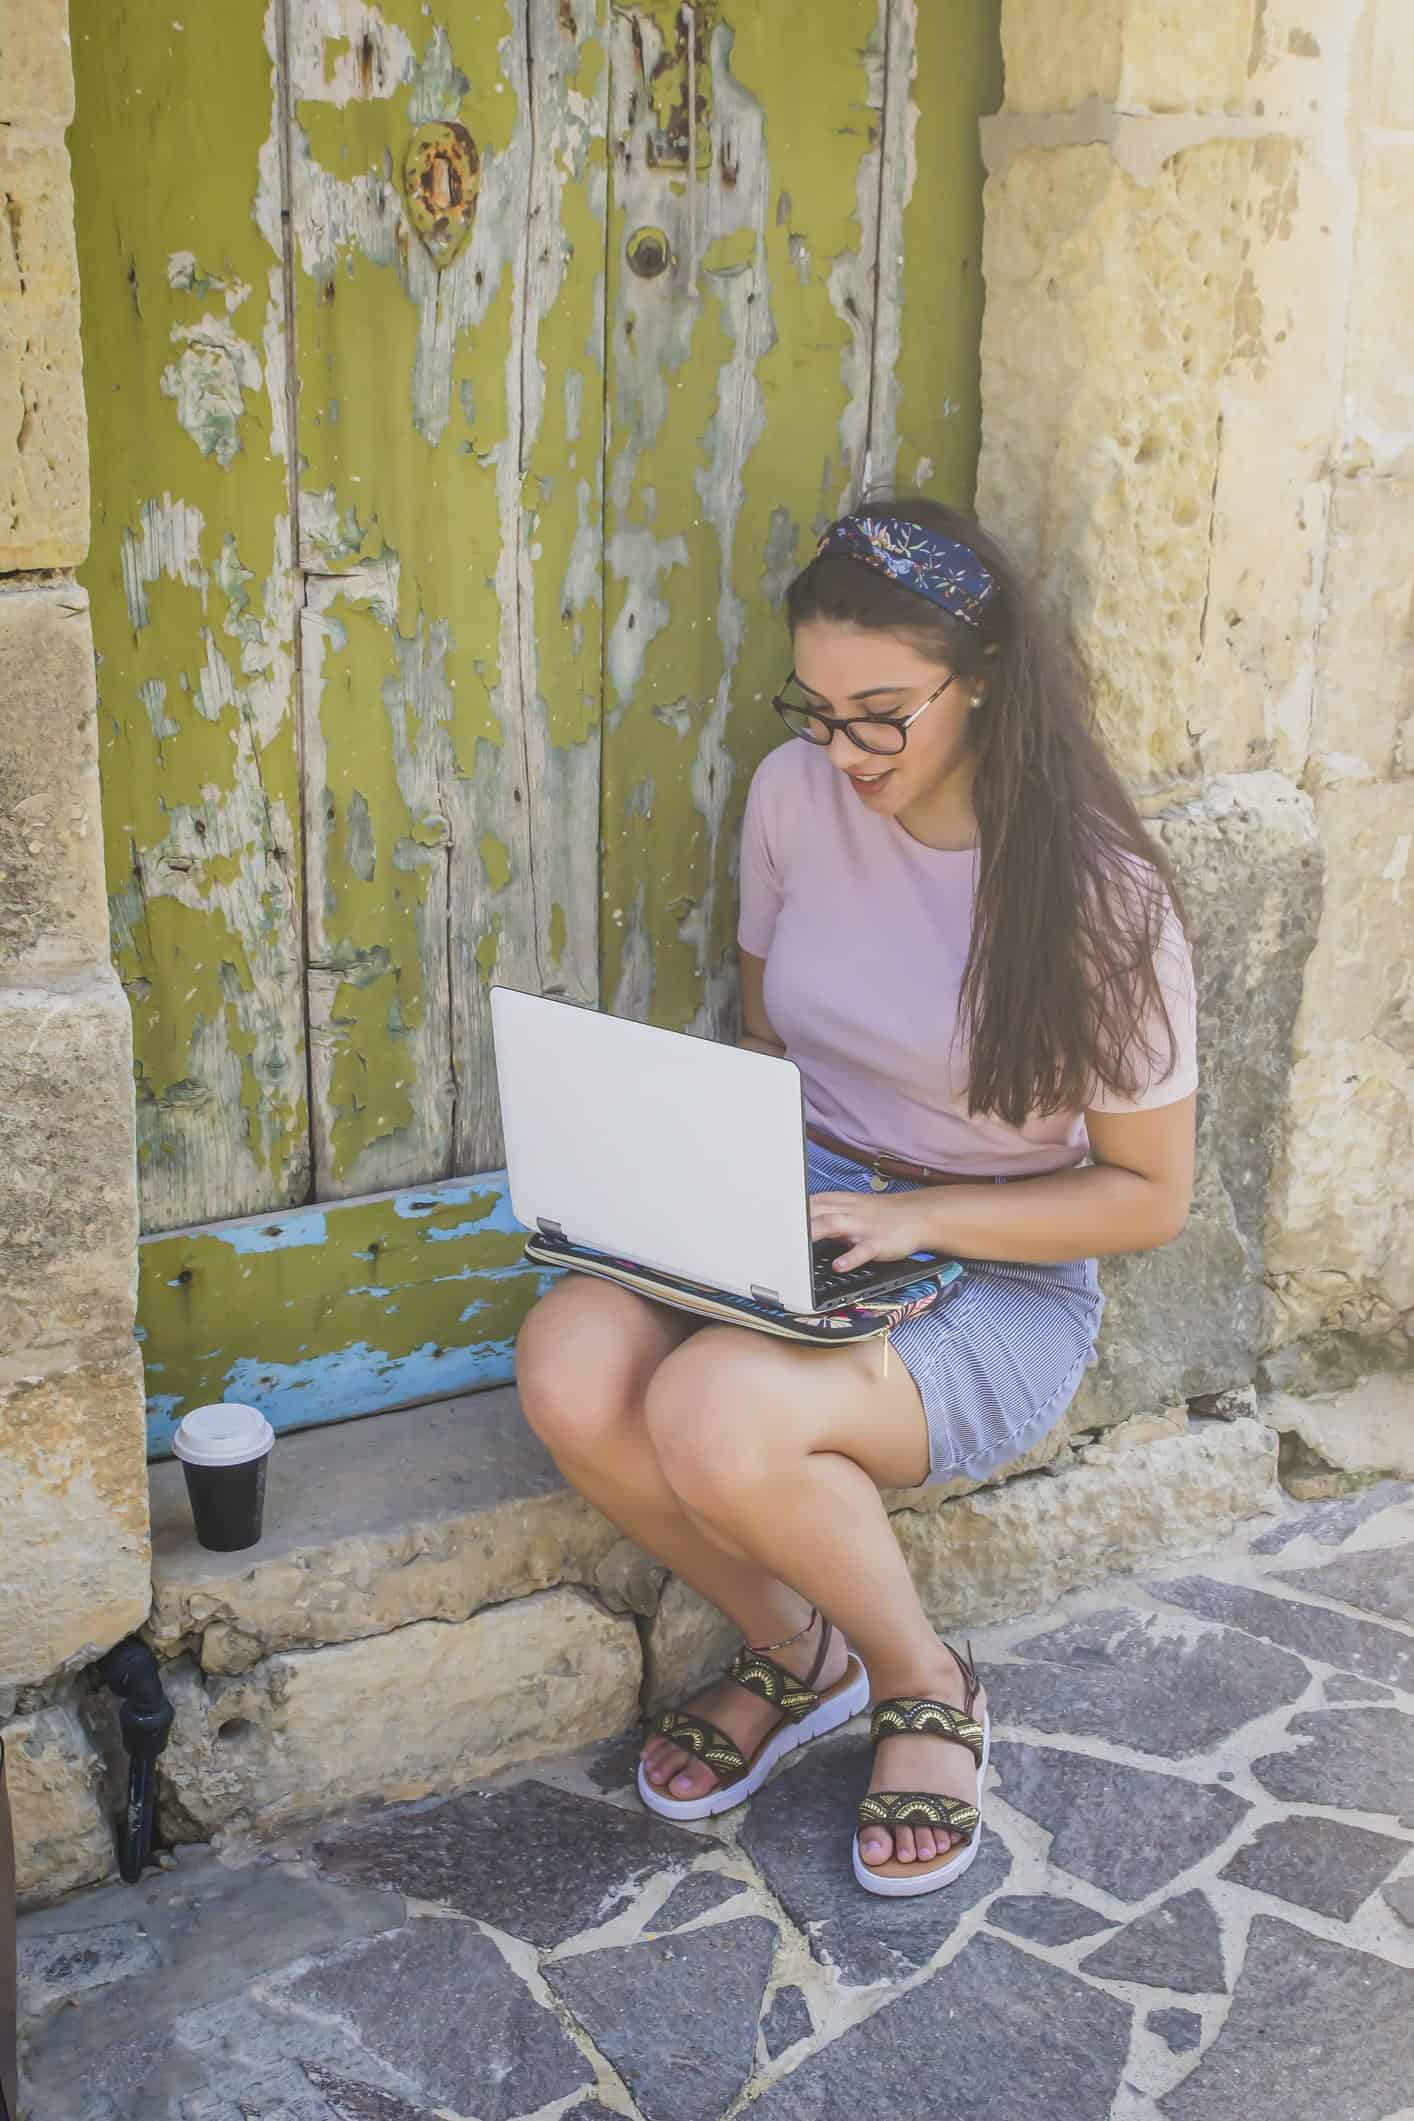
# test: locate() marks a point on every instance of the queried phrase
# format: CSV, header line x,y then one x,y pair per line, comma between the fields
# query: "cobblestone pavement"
x,y
1194,1899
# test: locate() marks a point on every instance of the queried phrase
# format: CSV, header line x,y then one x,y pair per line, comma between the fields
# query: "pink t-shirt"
x,y
865,935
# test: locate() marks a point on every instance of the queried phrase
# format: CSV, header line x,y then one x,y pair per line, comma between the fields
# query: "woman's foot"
x,y
920,1763
745,1718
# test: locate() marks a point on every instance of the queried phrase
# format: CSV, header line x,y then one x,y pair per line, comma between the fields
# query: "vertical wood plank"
x,y
944,71
559,328
401,540
452,802
740,317
192,593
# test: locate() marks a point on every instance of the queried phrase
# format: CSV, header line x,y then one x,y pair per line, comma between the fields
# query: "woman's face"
x,y
848,670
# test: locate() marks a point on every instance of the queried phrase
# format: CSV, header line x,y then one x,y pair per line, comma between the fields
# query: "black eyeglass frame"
x,y
849,723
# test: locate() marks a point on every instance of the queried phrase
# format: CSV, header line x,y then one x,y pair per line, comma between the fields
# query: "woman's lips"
x,y
866,784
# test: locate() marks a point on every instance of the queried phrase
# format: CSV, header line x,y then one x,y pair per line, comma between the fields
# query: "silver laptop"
x,y
672,1152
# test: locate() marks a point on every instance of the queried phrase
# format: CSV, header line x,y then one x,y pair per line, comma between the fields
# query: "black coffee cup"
x,y
224,1452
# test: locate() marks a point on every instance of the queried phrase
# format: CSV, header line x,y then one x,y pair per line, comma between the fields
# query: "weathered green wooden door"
x,y
465,383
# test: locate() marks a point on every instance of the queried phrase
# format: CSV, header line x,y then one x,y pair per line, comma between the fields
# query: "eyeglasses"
x,y
883,734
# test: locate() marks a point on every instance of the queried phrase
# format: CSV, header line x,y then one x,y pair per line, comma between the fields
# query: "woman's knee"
x,y
581,1362
708,1411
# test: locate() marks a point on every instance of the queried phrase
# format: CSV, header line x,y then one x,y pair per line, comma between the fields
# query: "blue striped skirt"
x,y
998,1365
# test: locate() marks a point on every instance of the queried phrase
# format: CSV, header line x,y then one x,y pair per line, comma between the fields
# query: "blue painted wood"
x,y
347,1308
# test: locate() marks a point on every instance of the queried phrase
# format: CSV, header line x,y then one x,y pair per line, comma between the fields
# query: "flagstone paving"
x,y
1194,1901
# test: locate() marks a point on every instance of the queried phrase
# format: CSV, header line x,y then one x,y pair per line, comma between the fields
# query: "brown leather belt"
x,y
886,1167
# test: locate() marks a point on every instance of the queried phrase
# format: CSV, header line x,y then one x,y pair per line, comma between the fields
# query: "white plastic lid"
x,y
224,1435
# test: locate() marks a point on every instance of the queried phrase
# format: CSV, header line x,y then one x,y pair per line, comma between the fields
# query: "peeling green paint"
x,y
935,393
496,861
209,383
192,602
735,389
469,685
730,254
359,845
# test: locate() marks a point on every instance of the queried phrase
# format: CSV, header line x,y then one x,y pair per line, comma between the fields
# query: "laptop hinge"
x,y
548,1227
767,1296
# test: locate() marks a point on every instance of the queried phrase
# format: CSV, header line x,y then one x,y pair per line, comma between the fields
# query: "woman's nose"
x,y
844,754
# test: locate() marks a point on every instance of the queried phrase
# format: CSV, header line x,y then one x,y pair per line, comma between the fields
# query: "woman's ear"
x,y
978,679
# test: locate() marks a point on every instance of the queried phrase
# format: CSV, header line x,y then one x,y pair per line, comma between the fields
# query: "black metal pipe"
x,y
144,1720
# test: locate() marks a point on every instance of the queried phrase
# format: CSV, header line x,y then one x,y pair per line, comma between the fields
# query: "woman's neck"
x,y
944,818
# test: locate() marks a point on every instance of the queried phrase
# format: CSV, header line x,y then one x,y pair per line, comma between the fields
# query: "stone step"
x,y
419,1612
427,1514
431,1603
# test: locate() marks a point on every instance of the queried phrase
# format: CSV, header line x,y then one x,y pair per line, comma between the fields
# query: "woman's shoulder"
x,y
1133,907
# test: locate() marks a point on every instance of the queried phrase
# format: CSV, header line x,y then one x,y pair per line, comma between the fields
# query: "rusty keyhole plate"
x,y
441,177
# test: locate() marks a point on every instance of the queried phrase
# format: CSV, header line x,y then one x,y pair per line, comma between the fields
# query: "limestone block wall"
x,y
75,1562
1198,425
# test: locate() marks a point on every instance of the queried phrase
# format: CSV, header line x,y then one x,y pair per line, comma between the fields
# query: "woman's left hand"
x,y
873,1225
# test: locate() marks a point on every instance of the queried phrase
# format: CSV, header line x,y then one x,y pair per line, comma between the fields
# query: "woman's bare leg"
x,y
584,1362
782,1450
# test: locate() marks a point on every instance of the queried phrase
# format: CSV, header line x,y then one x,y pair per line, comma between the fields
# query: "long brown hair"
x,y
1060,988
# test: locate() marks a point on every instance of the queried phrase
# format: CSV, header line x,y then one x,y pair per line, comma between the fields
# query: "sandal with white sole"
x,y
804,1714
914,1715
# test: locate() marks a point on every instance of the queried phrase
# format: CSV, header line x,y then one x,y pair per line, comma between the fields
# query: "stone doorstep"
x,y
438,1512
427,1514
428,1574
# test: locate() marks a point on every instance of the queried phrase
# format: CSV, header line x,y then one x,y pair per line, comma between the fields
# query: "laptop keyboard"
x,y
829,1284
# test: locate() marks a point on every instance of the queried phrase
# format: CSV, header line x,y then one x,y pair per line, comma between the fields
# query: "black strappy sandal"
x,y
917,1715
804,1714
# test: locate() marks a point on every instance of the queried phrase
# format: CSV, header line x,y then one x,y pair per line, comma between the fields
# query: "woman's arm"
x,y
757,1031
1134,1196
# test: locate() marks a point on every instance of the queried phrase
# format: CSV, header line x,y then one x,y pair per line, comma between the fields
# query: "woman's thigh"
x,y
745,1403
585,1355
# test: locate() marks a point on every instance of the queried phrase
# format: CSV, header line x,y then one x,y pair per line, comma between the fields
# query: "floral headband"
x,y
949,574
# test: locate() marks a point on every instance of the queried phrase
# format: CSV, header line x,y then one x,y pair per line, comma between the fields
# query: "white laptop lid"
x,y
672,1150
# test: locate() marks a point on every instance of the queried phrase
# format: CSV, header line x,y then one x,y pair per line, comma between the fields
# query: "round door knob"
x,y
649,253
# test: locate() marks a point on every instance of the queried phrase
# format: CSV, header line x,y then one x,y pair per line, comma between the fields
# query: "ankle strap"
x,y
826,1637
970,1678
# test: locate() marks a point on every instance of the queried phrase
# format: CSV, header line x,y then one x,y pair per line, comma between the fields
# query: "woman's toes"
x,y
903,1844
694,1781
875,1846
668,1767
924,1846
